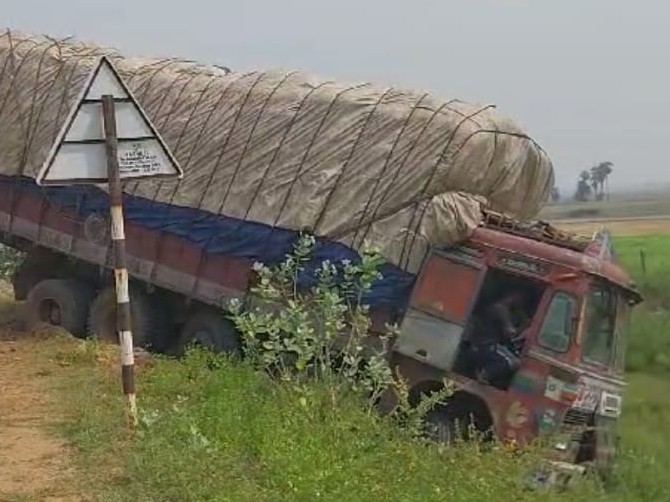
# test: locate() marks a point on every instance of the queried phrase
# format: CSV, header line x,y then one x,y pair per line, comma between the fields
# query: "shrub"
x,y
322,331
9,260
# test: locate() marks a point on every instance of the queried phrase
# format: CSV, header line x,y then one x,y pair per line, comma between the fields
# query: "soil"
x,y
34,463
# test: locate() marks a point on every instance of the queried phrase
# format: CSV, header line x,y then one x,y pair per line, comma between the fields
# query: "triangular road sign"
x,y
78,155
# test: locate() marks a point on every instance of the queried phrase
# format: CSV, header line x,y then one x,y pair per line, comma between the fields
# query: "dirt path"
x,y
34,464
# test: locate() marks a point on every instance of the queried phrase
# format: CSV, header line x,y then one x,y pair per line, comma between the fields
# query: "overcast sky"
x,y
588,79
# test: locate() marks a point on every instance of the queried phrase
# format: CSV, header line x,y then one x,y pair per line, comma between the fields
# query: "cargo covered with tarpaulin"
x,y
266,154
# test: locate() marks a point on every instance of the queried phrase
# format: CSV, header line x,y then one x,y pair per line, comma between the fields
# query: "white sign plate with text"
x,y
78,155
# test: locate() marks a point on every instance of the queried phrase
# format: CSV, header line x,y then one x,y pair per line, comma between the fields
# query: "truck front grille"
x,y
578,418
577,422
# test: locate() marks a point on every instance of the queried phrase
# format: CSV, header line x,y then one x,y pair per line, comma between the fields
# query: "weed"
x,y
9,261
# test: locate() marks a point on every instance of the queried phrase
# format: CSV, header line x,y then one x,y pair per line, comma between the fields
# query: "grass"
x,y
642,474
226,432
649,344
213,429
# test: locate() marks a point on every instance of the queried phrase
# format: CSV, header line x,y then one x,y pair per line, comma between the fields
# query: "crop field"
x,y
623,216
213,429
653,225
618,207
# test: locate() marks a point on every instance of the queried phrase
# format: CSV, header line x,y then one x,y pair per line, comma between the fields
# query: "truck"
x,y
447,190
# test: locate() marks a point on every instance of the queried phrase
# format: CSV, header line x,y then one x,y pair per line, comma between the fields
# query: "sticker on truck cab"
x,y
588,397
595,397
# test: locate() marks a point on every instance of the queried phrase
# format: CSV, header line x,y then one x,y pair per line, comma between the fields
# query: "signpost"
x,y
108,138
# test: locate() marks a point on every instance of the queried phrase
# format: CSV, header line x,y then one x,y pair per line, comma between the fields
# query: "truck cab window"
x,y
599,344
556,329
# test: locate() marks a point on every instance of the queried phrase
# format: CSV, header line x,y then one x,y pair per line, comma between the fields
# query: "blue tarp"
x,y
217,234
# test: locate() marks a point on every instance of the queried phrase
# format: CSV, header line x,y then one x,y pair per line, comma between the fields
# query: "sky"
x,y
588,79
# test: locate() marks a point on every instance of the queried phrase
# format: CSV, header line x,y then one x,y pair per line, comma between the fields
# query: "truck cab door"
x,y
440,306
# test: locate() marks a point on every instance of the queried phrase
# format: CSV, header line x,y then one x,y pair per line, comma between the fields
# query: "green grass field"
x,y
644,428
217,430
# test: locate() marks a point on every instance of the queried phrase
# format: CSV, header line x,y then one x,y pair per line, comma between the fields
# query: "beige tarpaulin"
x,y
352,162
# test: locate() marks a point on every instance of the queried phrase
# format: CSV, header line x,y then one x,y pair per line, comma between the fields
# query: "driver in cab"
x,y
498,342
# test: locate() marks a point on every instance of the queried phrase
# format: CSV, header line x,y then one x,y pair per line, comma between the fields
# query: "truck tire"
x,y
443,428
59,302
455,421
209,329
147,322
37,265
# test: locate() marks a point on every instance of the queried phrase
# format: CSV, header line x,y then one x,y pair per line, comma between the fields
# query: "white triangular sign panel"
x,y
78,155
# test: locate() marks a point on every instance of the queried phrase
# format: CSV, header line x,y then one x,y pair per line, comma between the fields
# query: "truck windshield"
x,y
599,345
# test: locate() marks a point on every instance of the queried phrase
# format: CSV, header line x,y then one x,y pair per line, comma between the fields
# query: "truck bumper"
x,y
555,474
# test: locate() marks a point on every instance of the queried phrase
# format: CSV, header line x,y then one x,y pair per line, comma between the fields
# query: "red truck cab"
x,y
570,377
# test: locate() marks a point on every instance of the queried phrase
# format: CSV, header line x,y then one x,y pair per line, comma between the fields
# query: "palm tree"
x,y
599,177
583,186
607,167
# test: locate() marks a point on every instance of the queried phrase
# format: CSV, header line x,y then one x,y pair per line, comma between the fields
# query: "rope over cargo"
x,y
352,162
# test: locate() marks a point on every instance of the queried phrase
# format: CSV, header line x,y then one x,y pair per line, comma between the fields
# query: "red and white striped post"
x,y
123,321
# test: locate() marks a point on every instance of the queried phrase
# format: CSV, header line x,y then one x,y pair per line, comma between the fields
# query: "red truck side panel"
x,y
156,257
142,250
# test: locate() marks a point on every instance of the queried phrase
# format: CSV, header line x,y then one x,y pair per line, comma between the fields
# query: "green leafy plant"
x,y
9,261
322,332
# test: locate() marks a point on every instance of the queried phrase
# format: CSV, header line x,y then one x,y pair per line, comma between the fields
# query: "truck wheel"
x,y
59,302
147,322
457,420
211,330
37,265
444,428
